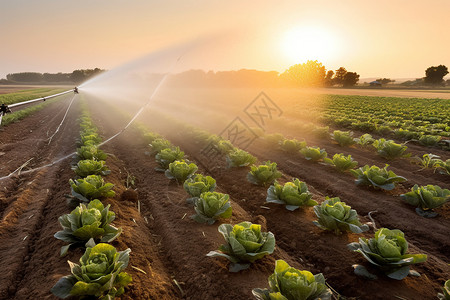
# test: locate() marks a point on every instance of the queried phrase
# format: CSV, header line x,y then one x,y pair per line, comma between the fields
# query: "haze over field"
x,y
390,39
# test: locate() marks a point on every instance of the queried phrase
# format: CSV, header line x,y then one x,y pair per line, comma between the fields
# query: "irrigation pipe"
x,y
40,99
62,121
103,143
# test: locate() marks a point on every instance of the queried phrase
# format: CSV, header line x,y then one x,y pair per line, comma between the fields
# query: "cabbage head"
x,y
293,194
388,251
99,274
426,197
389,149
376,177
239,158
313,153
91,187
91,167
337,216
198,184
245,243
167,156
211,206
86,222
343,138
181,170
288,283
341,162
91,152
263,174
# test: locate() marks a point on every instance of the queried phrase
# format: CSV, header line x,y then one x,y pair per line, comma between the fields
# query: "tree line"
x,y
77,76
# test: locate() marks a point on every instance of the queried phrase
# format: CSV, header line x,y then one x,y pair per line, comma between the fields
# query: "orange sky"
x,y
394,39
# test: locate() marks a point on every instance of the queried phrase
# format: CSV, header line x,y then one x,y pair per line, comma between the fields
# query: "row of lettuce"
x,y
402,118
99,273
245,243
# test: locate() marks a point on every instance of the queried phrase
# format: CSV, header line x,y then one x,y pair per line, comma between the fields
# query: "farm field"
x,y
168,249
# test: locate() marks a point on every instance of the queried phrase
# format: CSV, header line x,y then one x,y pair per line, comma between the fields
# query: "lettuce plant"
x,y
245,243
377,177
159,144
84,223
364,140
149,137
445,291
429,140
293,194
91,187
91,152
337,216
211,206
292,146
91,167
389,149
180,170
99,274
343,138
288,283
274,138
428,160
263,174
198,184
388,252
426,198
167,156
444,166
240,158
313,153
93,138
341,162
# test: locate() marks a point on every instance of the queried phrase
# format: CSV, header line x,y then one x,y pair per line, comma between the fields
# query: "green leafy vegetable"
x,y
293,194
377,177
343,138
426,197
198,184
91,152
429,140
446,291
389,149
159,144
444,166
263,174
313,153
337,216
167,156
341,162
90,188
245,243
91,139
388,251
211,206
364,140
288,283
99,274
292,146
84,223
180,170
91,167
240,158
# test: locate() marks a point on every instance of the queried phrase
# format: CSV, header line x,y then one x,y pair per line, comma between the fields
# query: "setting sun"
x,y
308,43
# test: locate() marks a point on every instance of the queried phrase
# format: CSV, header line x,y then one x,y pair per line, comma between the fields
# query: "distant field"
x,y
14,94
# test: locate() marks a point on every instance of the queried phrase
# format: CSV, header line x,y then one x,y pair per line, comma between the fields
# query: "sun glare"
x,y
308,43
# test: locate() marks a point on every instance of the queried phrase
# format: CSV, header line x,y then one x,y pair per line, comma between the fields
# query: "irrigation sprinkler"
x,y
4,109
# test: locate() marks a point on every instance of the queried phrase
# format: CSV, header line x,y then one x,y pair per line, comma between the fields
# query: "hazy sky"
x,y
393,38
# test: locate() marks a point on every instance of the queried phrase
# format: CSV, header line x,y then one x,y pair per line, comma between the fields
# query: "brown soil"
x,y
170,247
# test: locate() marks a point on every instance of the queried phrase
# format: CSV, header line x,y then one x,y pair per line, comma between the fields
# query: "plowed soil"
x,y
168,258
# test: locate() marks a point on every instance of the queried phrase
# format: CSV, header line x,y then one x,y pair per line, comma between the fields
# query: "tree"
x,y
435,75
339,76
329,78
385,80
311,73
350,79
